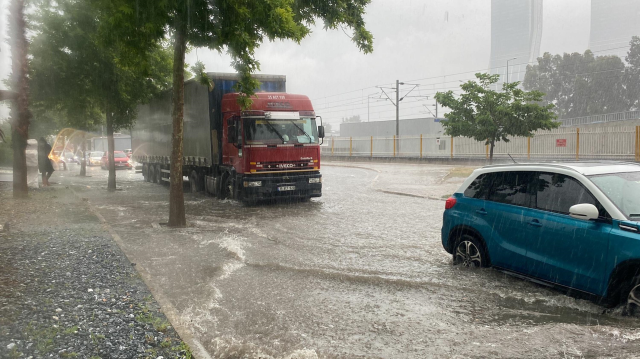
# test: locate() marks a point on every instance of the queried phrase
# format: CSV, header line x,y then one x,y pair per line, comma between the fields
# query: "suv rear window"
x,y
512,188
480,187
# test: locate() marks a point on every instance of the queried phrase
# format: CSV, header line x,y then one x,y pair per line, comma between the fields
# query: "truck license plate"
x,y
286,188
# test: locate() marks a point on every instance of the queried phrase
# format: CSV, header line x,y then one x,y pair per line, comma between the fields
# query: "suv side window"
x,y
558,192
480,187
512,187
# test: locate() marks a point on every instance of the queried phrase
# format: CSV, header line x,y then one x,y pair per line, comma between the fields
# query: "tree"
x,y
579,84
84,77
238,27
491,116
20,114
632,74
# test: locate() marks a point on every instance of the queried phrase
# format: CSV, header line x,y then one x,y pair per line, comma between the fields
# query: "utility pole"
x,y
508,68
436,108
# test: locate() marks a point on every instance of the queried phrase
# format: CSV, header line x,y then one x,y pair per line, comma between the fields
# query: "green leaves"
x,y
582,84
79,68
487,115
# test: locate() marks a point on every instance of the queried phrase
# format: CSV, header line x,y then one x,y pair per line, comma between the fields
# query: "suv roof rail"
x,y
562,164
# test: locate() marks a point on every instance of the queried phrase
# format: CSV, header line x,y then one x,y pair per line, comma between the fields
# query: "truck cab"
x,y
270,151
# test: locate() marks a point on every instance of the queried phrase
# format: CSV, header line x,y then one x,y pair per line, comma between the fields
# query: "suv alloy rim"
x,y
634,297
468,254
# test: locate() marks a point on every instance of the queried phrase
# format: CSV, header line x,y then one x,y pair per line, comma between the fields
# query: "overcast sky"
x,y
434,43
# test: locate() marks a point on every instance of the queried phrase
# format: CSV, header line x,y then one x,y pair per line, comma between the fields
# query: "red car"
x,y
119,158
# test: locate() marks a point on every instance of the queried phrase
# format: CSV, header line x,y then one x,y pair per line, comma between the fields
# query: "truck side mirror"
x,y
231,134
321,131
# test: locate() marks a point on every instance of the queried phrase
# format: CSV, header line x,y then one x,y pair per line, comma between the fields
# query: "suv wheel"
x,y
469,252
633,298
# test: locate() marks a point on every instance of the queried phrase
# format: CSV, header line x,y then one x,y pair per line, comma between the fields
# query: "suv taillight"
x,y
450,203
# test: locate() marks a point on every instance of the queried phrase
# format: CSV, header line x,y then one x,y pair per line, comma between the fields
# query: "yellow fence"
x,y
621,143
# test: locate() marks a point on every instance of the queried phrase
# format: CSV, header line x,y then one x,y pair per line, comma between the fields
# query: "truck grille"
x,y
284,166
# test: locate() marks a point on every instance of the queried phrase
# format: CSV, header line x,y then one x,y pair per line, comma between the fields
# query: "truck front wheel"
x,y
226,186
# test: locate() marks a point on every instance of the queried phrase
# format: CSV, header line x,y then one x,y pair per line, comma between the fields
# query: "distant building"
x,y
516,32
410,127
613,23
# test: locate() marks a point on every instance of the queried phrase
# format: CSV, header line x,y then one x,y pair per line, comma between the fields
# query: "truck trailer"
x,y
270,151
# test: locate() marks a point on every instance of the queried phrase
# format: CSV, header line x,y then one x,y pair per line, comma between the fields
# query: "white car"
x,y
94,158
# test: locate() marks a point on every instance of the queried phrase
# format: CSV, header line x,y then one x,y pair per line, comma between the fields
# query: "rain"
x,y
361,179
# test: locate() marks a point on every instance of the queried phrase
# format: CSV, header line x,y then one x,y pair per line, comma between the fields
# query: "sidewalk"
x,y
66,288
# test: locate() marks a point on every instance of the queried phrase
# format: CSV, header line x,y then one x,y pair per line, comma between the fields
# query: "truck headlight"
x,y
315,180
252,183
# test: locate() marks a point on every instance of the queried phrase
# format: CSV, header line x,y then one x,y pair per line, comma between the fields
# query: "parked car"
x,y
119,158
569,225
94,158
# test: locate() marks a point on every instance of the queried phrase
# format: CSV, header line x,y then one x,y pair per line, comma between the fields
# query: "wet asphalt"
x,y
359,272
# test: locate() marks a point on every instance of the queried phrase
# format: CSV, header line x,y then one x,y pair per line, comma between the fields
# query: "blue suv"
x,y
573,225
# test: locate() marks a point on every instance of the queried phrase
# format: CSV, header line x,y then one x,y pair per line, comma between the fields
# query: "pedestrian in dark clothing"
x,y
44,163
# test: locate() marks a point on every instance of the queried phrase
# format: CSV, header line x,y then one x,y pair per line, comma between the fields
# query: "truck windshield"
x,y
263,131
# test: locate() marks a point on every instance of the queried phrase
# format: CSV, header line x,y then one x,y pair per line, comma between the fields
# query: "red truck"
x,y
269,151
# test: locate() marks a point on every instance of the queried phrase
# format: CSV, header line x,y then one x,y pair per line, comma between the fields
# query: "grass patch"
x,y
183,350
71,330
43,337
14,353
68,355
158,324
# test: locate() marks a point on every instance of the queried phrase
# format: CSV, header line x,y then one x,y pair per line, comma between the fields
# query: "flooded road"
x,y
359,272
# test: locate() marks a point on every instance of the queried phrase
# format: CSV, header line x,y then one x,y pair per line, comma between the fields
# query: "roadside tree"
x,y
491,116
20,114
82,77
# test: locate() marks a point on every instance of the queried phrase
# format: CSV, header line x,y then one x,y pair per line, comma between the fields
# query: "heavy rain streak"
x,y
300,180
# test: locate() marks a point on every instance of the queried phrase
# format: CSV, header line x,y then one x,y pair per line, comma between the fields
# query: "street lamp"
x,y
508,68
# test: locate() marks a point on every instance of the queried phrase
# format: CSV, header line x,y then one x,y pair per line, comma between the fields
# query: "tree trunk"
x,y
20,114
491,145
176,194
83,161
111,183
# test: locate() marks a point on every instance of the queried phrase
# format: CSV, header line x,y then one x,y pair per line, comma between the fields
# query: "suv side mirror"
x,y
321,131
584,211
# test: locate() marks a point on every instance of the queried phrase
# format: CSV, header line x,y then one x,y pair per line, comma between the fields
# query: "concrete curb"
x,y
197,349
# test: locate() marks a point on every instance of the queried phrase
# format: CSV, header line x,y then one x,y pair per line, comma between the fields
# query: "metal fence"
x,y
620,143
610,117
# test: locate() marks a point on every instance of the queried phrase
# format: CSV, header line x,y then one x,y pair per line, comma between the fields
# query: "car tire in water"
x,y
469,251
632,296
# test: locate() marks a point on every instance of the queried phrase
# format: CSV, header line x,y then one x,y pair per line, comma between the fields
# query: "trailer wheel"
x,y
151,173
158,172
195,183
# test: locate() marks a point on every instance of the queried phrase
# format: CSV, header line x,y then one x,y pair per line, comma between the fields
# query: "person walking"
x,y
44,163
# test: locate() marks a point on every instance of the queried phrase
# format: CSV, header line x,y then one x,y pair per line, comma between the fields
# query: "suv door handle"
x,y
481,211
535,223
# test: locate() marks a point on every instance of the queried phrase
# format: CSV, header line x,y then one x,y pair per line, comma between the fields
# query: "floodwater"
x,y
356,273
